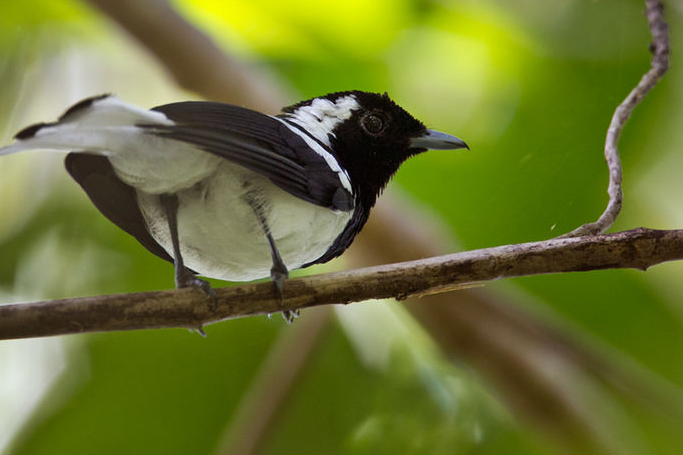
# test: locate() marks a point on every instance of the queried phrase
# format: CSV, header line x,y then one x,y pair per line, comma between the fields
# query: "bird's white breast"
x,y
220,236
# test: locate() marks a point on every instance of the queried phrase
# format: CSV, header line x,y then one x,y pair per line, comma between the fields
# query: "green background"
x,y
529,84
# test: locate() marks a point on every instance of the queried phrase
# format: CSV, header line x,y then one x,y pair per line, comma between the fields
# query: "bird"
x,y
222,191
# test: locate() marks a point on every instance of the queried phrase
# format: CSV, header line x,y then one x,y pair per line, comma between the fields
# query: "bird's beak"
x,y
436,140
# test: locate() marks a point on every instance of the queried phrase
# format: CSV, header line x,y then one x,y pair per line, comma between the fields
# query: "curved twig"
x,y
660,63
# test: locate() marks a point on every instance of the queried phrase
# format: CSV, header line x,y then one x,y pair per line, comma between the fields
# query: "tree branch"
x,y
660,63
637,248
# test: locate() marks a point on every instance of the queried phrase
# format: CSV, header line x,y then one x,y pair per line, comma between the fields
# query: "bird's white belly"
x,y
221,237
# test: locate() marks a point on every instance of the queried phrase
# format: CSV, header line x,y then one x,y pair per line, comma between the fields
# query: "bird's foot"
x,y
186,279
290,315
278,274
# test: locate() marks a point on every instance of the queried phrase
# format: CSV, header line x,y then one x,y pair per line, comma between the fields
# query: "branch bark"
x,y
660,63
637,248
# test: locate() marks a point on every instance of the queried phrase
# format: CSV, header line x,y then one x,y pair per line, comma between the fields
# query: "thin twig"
x,y
637,248
660,63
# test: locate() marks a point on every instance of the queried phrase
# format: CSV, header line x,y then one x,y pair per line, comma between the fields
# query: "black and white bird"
x,y
226,192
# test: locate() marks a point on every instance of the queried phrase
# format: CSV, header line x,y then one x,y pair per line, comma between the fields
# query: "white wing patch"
x,y
322,116
327,156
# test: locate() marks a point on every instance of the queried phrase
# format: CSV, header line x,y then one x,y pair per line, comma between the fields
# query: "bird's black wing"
x,y
258,142
114,198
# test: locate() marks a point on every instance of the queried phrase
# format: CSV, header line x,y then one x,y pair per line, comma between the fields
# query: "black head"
x,y
369,134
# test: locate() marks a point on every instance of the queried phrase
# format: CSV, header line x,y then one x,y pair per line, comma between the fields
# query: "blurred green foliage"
x,y
529,84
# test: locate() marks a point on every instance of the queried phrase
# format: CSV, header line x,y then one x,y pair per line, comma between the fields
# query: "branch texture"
x,y
660,63
637,248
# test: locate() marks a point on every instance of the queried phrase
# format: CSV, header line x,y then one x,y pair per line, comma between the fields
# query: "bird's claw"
x,y
186,279
278,274
290,315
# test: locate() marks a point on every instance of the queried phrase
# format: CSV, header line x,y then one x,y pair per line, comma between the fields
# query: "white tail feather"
x,y
14,148
96,124
68,138
107,126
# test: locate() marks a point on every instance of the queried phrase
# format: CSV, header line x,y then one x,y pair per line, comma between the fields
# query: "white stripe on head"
x,y
320,150
321,116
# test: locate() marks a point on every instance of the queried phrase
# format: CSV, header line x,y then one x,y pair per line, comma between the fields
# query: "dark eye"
x,y
372,124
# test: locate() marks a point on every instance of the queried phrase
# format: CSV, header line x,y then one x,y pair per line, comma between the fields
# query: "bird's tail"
x,y
14,148
93,124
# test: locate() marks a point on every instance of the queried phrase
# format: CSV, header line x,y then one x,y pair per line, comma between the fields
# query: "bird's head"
x,y
369,134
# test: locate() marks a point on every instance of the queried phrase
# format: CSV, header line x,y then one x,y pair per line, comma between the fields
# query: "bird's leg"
x,y
184,278
278,272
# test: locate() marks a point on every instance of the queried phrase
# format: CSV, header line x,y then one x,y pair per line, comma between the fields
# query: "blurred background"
x,y
572,363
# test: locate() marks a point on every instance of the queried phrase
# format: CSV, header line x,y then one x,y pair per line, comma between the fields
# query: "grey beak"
x,y
436,140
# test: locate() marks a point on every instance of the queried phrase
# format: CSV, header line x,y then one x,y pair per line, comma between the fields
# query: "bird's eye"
x,y
372,124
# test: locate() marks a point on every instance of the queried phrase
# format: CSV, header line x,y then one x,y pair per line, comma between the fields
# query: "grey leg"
x,y
184,278
278,272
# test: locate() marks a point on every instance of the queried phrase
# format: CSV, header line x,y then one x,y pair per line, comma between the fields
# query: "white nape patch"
x,y
321,116
327,156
